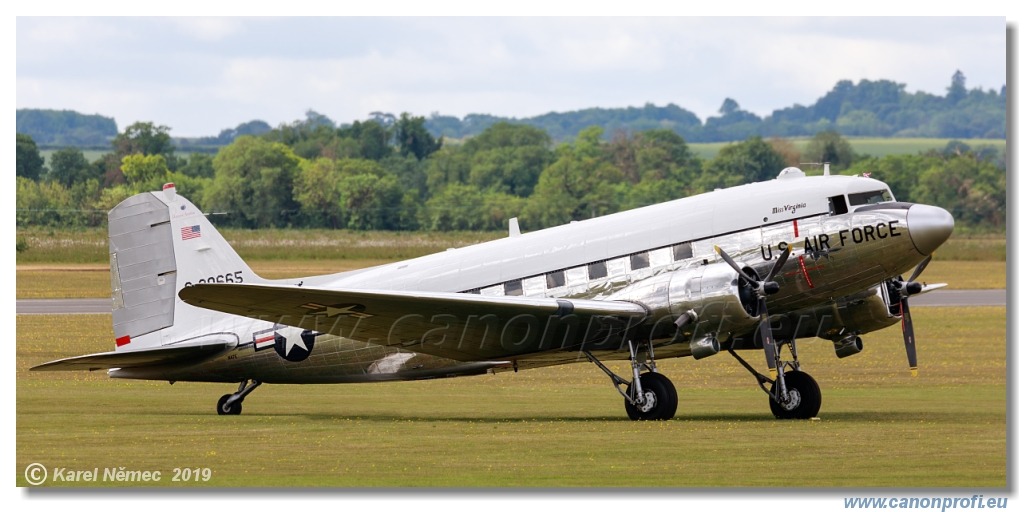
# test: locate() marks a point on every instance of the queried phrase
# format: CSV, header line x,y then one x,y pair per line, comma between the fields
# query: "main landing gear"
x,y
650,395
794,396
232,403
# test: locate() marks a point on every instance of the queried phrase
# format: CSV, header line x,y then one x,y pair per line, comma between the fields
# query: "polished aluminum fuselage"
x,y
834,256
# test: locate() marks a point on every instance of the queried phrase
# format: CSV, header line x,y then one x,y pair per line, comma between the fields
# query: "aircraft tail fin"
x,y
160,243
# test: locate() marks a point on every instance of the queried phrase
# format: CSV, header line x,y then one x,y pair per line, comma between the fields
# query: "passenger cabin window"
x,y
597,270
873,197
682,251
837,205
639,260
514,287
556,279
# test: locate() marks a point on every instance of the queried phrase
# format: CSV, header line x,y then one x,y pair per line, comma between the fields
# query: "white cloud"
x,y
200,75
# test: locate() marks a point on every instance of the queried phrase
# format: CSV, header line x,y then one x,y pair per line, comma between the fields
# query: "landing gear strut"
x,y
232,403
650,395
793,396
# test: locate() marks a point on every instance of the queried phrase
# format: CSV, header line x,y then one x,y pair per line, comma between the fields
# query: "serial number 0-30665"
x,y
230,277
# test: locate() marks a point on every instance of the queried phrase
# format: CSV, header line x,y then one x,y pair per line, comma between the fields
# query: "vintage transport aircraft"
x,y
753,267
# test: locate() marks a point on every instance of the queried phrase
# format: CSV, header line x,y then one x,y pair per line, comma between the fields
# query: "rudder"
x,y
159,243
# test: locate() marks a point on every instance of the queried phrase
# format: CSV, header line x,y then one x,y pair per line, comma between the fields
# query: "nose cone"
x,y
929,226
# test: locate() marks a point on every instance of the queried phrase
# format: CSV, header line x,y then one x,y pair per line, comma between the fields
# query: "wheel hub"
x,y
649,401
792,401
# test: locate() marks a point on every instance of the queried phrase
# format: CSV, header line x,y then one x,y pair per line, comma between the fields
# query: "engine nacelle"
x,y
866,311
700,305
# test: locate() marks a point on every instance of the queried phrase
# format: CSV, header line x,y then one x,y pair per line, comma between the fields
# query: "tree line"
x,y
869,108
391,173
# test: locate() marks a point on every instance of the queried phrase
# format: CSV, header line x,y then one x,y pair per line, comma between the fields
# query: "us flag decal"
x,y
190,232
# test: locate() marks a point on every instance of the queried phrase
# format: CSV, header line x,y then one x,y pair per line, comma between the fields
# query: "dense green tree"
x,y
657,164
45,203
957,89
317,190
145,172
733,123
144,138
198,165
508,158
449,165
413,138
462,207
370,140
141,138
64,128
830,147
253,182
69,166
973,190
29,162
746,162
370,201
580,184
900,172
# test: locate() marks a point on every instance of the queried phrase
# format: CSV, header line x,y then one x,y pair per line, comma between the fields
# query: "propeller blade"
x,y
743,275
908,335
920,268
779,263
765,332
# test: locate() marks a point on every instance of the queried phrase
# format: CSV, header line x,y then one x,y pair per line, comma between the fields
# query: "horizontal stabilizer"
x,y
135,358
460,326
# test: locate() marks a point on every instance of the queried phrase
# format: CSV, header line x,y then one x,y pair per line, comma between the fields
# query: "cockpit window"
x,y
873,197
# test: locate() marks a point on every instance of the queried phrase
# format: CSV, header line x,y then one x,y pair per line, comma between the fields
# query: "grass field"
x,y
871,146
553,427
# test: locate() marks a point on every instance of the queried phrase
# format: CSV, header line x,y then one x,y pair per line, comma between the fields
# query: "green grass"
x,y
870,146
89,245
553,427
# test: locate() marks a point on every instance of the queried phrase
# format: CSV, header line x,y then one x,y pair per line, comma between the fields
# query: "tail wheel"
x,y
660,398
804,398
224,408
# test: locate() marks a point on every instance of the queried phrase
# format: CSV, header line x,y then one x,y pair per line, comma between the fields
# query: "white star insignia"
x,y
292,341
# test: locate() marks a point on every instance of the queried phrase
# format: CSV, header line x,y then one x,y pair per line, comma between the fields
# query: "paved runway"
x,y
98,306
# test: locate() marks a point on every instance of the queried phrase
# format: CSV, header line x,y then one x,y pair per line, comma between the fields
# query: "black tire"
x,y
660,390
223,407
804,394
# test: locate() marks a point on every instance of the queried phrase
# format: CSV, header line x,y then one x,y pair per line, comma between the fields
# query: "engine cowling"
x,y
698,305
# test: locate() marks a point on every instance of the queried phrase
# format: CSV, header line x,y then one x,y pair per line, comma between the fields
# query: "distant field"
x,y
90,154
866,146
553,427
90,245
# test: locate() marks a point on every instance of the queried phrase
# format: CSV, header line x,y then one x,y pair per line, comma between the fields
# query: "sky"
x,y
199,76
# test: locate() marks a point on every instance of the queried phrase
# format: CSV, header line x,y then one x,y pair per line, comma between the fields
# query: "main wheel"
x,y
660,398
224,408
804,398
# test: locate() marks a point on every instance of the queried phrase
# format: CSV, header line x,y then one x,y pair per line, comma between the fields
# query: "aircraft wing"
x,y
459,326
134,358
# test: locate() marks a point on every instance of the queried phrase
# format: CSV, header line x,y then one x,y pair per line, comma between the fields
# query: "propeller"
x,y
905,289
763,288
